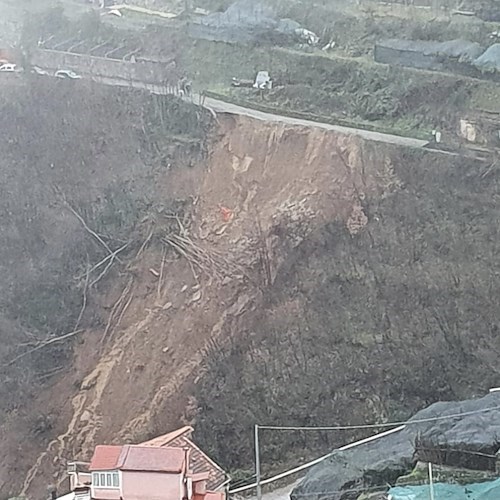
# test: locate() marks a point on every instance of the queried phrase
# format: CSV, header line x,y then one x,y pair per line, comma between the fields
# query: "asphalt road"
x,y
282,493
224,107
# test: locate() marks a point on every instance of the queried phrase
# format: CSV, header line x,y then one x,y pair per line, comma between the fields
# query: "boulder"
x,y
345,473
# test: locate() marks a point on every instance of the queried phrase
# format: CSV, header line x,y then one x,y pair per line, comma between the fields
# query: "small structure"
x,y
146,473
199,461
263,81
483,129
79,475
468,130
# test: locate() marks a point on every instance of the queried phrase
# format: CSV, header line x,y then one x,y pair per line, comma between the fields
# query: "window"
x,y
109,479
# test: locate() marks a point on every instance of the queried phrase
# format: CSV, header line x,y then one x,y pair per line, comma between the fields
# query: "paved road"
x,y
224,107
282,493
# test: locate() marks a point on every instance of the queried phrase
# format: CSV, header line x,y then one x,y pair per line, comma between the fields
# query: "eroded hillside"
x,y
85,171
258,257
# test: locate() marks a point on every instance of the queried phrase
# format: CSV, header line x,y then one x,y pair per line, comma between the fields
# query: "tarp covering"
x,y
246,21
463,50
490,60
480,491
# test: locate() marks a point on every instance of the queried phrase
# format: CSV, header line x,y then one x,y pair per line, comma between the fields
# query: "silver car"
x,y
67,73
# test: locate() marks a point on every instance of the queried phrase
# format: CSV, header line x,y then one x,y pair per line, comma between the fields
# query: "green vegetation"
x,y
340,90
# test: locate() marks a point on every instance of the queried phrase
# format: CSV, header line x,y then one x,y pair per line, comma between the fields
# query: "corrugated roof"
x,y
105,458
151,459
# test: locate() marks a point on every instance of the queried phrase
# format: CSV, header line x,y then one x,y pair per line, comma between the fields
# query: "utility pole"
x,y
257,462
431,483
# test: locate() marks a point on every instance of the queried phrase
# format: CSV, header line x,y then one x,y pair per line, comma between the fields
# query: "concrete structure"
x,y
147,72
481,128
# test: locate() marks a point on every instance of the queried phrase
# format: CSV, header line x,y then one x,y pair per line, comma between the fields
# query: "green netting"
x,y
480,491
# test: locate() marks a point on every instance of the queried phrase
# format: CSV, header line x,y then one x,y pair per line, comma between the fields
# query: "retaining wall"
x,y
141,71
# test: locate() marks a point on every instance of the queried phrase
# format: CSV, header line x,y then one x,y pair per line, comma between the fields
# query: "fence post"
x,y
257,461
431,483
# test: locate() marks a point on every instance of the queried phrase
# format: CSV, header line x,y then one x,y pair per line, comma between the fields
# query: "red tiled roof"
x,y
167,438
151,459
105,458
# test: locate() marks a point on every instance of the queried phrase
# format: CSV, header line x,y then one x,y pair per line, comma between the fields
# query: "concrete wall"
x,y
152,486
106,493
146,72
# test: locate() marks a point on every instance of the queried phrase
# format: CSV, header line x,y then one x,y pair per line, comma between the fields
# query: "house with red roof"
x,y
140,472
168,467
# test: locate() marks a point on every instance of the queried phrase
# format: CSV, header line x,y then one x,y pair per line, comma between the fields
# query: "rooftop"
x,y
167,438
105,458
138,458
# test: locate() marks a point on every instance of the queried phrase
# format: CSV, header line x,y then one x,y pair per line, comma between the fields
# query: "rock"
x,y
196,297
383,461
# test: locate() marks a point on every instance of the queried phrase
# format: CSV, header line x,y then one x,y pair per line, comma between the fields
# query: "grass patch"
x,y
341,90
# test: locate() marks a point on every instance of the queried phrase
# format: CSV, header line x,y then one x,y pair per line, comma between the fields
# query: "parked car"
x,y
8,67
67,73
237,82
39,71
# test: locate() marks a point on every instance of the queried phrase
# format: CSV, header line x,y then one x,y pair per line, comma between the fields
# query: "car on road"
x,y
8,68
39,71
68,74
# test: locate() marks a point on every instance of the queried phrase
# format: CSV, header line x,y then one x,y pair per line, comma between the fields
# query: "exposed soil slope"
x,y
263,190
371,326
289,257
83,168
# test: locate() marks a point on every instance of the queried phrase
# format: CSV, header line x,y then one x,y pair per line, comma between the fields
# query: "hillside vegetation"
x,y
367,327
79,180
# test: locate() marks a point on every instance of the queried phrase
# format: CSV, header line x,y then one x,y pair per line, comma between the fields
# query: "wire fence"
x,y
379,426
393,426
